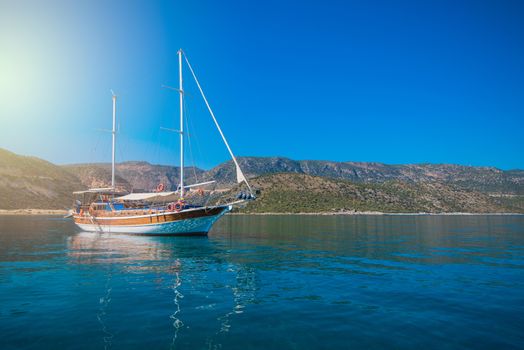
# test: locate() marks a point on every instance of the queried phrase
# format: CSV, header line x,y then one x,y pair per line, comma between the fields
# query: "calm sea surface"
x,y
267,282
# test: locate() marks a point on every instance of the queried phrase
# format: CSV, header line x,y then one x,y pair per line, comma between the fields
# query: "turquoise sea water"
x,y
267,282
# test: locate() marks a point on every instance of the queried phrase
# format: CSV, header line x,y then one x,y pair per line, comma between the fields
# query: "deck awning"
x,y
152,197
158,196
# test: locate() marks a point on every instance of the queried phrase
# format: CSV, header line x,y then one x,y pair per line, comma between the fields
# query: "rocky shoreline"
x,y
60,212
33,212
377,213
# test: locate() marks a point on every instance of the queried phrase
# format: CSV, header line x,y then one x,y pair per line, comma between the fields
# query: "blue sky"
x,y
383,81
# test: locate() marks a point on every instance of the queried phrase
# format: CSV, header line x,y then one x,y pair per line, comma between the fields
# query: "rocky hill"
x,y
137,176
300,193
483,179
96,176
285,184
29,182
142,175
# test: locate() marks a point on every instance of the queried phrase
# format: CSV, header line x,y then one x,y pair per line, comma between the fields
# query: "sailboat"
x,y
159,212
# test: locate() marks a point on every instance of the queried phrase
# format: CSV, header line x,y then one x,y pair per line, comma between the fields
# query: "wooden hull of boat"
x,y
187,222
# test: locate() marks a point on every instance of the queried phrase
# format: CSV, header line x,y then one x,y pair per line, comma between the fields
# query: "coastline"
x,y
57,212
378,213
60,212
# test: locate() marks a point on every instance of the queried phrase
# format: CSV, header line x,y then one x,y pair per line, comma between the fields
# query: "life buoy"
x,y
160,188
171,206
178,206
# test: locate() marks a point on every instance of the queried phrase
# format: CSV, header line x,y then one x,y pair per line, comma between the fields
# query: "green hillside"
x,y
299,193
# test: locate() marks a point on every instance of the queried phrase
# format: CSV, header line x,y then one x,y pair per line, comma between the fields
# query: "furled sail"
x,y
152,196
240,175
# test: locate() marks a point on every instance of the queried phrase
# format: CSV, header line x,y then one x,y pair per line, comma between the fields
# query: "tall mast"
x,y
181,91
113,131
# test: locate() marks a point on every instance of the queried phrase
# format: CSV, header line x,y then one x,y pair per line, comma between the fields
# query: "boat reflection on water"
x,y
196,269
123,250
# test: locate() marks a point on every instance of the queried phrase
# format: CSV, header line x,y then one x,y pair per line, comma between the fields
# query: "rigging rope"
x,y
186,112
218,126
93,150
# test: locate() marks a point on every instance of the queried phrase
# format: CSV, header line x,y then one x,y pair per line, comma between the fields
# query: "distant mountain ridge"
x,y
133,175
29,182
483,179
